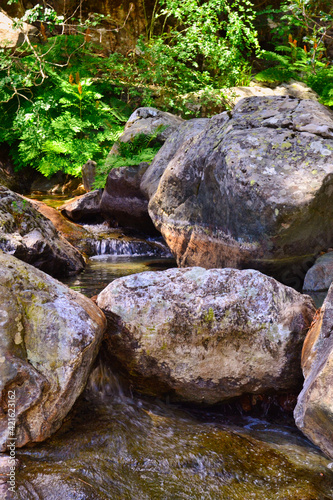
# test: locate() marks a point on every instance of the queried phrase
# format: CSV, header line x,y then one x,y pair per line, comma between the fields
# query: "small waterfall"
x,y
108,241
103,384
132,248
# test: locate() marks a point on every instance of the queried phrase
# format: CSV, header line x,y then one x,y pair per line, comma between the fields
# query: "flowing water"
x,y
117,445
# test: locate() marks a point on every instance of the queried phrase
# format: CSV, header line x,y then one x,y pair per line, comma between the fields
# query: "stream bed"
x,y
118,445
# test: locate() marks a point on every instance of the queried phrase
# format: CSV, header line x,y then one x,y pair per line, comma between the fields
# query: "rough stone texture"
x,y
11,37
83,208
253,190
147,120
154,172
320,276
314,410
206,336
27,234
88,174
74,233
49,338
122,201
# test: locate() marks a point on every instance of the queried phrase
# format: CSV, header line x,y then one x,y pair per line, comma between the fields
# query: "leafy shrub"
x,y
141,148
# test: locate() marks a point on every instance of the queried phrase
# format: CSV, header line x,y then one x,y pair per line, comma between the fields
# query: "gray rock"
x,y
314,410
49,338
27,234
206,336
250,190
83,208
154,172
122,201
88,174
320,276
147,120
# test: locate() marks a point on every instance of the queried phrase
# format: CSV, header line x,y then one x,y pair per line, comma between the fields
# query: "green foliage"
x,y
322,83
141,148
207,48
65,125
302,26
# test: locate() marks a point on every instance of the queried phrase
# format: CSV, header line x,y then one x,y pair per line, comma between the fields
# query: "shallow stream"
x,y
117,445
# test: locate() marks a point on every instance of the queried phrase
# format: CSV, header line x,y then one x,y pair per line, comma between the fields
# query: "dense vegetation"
x,y
64,101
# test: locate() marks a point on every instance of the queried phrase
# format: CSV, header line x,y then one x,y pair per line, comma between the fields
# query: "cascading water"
x,y
118,446
104,241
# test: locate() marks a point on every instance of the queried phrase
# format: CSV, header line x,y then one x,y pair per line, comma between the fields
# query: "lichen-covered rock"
x,y
49,338
314,410
206,335
254,190
27,234
320,276
84,208
154,172
123,202
147,121
72,232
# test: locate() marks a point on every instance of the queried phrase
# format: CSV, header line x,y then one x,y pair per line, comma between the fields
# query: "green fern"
x,y
141,148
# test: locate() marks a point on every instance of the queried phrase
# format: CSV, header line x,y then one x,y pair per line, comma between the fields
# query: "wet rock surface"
x,y
314,410
31,237
206,336
251,190
49,339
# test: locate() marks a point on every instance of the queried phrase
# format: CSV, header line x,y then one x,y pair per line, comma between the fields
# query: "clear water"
x,y
117,445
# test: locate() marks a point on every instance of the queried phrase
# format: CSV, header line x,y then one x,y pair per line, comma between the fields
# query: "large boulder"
x,y
27,234
123,202
206,335
49,338
185,132
314,409
74,233
251,190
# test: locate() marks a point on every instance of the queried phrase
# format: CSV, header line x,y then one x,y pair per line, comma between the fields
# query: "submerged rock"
x,y
314,410
206,336
320,276
27,234
49,338
250,191
147,450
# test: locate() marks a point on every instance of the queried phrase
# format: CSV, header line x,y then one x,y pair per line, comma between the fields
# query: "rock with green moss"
x,y
207,335
314,409
253,189
49,338
27,234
